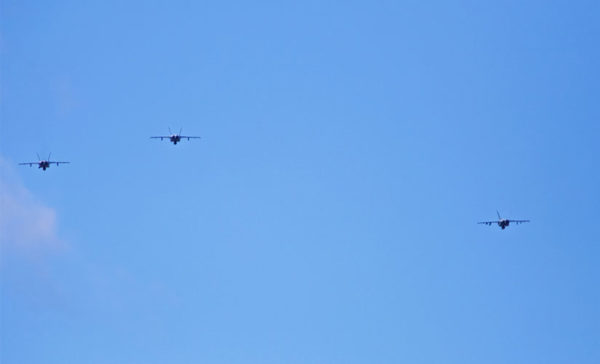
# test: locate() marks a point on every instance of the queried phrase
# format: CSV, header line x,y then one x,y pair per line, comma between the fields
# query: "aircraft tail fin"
x,y
499,218
38,155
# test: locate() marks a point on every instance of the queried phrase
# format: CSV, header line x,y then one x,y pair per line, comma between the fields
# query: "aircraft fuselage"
x,y
503,223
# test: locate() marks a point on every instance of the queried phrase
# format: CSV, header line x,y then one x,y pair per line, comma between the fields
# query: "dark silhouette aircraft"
x,y
503,223
43,164
175,138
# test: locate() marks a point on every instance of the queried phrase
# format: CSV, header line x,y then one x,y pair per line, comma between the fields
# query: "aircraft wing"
x,y
159,137
488,222
518,221
57,163
28,163
189,137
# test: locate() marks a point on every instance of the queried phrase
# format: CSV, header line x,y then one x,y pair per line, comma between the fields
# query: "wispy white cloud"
x,y
40,272
26,224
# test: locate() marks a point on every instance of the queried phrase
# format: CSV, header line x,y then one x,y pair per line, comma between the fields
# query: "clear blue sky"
x,y
329,213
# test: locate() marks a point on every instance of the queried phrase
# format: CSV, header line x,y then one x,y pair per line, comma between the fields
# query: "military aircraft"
x,y
175,138
43,164
503,223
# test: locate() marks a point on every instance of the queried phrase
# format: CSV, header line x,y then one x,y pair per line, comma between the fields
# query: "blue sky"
x,y
329,213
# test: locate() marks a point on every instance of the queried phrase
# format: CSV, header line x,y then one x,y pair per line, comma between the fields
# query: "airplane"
x,y
43,164
175,138
503,223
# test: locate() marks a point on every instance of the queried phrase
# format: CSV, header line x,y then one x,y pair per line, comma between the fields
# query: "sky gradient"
x,y
328,214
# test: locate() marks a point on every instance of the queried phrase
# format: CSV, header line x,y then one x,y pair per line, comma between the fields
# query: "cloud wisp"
x,y
26,224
